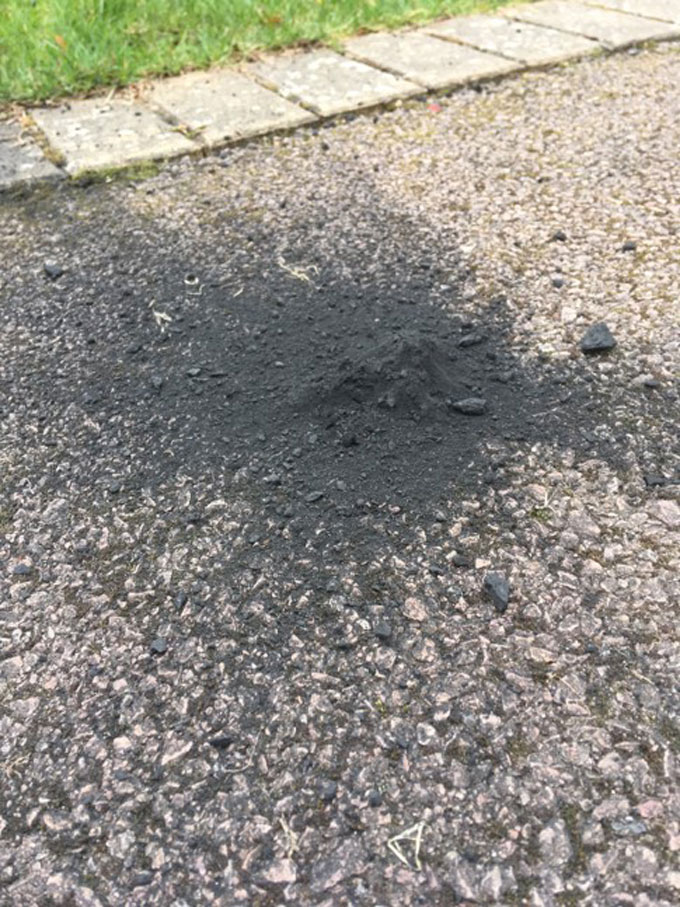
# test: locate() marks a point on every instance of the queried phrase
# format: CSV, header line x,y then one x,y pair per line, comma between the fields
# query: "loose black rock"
x,y
22,570
470,340
629,246
328,791
597,339
383,630
653,480
461,560
141,879
374,798
629,826
222,742
559,236
497,588
470,406
52,270
159,646
181,599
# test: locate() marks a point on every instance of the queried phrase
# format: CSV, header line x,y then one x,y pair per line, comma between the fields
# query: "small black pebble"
x,y
471,406
470,340
353,818
140,879
222,742
497,589
559,236
22,570
652,480
557,282
597,339
382,630
159,646
52,270
328,791
629,246
461,560
374,798
181,599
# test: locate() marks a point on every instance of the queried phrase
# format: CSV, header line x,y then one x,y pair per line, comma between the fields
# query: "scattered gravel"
x,y
227,432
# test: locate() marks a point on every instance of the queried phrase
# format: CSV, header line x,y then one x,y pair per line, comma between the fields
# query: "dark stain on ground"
x,y
330,390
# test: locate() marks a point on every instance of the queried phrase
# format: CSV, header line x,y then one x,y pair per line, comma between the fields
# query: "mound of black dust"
x,y
406,374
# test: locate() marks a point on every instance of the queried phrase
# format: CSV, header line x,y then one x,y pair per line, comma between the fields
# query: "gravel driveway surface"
x,y
278,426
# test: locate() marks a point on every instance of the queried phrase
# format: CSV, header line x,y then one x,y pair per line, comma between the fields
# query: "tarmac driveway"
x,y
269,421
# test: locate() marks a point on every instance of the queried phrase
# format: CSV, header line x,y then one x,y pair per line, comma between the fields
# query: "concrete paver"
x,y
20,159
328,83
94,134
286,90
611,28
532,44
666,10
224,105
427,60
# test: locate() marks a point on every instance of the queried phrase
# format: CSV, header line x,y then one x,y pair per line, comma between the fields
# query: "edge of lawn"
x,y
15,107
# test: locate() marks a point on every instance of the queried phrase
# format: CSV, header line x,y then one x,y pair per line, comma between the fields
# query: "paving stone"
x,y
429,61
329,83
531,44
225,105
94,133
666,10
610,28
21,161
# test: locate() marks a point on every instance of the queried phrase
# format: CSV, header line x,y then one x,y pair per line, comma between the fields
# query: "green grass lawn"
x,y
50,48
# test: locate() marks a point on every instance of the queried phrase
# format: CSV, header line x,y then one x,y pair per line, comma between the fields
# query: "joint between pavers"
x,y
193,135
523,65
271,86
198,145
28,125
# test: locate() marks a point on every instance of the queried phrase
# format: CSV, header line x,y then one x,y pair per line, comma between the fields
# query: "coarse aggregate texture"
x,y
245,531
